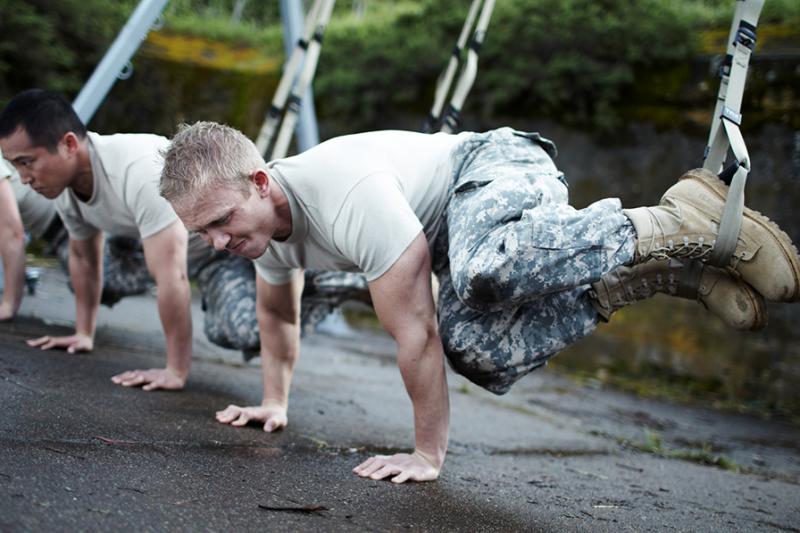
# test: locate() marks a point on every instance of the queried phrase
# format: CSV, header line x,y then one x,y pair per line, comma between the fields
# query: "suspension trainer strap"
x,y
303,82
469,72
725,127
445,80
290,71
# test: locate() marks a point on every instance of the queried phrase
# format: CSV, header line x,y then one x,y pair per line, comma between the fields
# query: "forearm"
x,y
174,309
12,248
280,346
423,372
87,280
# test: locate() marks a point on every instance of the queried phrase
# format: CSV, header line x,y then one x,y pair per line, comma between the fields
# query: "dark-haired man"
x,y
522,273
104,184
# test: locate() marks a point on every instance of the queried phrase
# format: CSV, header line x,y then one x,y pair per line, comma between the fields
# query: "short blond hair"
x,y
207,155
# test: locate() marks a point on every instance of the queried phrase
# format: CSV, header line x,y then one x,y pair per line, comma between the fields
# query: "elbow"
x,y
419,341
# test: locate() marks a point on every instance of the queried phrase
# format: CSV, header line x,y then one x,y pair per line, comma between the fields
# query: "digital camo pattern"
x,y
228,290
124,268
520,259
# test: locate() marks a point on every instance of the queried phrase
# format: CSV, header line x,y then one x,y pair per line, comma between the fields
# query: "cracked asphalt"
x,y
80,453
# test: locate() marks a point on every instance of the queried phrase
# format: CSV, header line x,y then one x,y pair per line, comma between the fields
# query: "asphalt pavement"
x,y
80,453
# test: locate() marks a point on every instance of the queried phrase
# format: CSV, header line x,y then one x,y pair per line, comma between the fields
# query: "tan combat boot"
x,y
685,226
732,300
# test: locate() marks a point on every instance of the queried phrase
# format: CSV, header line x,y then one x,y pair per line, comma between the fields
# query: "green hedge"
x,y
572,60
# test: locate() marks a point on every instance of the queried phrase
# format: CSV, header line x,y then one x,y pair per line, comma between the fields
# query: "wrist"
x,y
435,460
271,402
83,333
180,374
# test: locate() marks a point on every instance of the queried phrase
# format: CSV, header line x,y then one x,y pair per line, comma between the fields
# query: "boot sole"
x,y
720,189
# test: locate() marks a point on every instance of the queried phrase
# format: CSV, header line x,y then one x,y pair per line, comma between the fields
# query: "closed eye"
x,y
222,220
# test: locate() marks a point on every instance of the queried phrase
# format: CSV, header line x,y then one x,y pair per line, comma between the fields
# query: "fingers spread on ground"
x,y
385,471
372,468
228,414
137,379
243,419
129,374
364,465
38,342
402,477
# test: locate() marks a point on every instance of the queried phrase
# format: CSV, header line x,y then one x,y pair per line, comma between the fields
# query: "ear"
x,y
70,142
261,180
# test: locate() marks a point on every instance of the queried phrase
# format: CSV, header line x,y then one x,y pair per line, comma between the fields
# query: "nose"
x,y
218,239
26,178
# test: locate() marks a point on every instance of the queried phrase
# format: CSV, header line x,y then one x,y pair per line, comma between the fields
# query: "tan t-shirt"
x,y
36,211
125,201
358,201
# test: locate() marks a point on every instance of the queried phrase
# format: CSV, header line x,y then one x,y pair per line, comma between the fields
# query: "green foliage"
x,y
54,45
576,61
570,59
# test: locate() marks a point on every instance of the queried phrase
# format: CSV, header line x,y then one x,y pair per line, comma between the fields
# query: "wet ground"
x,y
82,453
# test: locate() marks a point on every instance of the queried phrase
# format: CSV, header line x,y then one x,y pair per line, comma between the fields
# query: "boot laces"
x,y
686,249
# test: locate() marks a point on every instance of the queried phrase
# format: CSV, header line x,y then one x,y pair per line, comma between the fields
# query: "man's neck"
x,y
283,212
83,183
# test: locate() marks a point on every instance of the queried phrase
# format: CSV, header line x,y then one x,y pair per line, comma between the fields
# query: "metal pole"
x,y
117,58
307,133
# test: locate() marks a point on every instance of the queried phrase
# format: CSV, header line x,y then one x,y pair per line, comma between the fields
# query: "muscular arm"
x,y
86,274
278,313
165,255
12,250
404,304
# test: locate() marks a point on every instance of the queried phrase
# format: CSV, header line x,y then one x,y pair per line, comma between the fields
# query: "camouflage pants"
x,y
228,288
520,259
124,268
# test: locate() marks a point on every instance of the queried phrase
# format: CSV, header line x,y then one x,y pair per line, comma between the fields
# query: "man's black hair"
x,y
44,115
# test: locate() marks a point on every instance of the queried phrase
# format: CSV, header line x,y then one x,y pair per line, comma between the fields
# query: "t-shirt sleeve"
x,y
150,210
274,274
375,224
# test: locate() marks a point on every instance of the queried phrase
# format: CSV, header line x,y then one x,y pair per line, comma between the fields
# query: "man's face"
x,y
48,173
230,219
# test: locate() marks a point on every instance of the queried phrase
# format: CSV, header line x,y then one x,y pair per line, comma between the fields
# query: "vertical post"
x,y
116,58
307,133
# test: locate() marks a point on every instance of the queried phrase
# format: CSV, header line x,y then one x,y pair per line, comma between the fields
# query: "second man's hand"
x,y
152,379
401,467
272,414
78,342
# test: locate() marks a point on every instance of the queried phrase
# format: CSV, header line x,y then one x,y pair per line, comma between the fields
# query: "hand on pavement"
x,y
72,343
403,466
153,379
272,414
